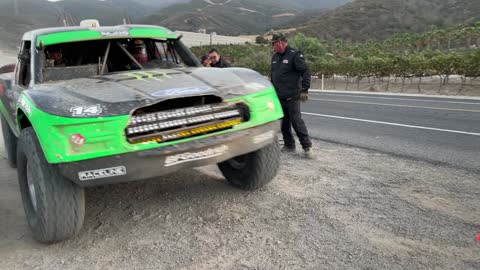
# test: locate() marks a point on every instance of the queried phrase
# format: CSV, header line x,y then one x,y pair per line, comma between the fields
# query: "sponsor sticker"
x,y
181,91
263,137
114,33
102,173
191,156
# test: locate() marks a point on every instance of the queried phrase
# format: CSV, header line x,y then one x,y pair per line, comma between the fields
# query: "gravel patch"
x,y
349,208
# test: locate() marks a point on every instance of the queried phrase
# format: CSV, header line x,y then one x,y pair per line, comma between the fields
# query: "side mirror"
x,y
8,84
24,57
4,85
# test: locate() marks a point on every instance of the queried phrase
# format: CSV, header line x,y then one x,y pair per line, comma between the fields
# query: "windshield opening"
x,y
89,58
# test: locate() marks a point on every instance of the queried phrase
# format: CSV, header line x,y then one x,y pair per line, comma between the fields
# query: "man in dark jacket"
x,y
291,78
217,60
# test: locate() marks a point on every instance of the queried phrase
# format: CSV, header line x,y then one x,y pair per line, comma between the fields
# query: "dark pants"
x,y
293,117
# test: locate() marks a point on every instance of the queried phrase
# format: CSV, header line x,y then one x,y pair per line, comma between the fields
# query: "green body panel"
x,y
4,112
105,136
61,37
83,35
152,33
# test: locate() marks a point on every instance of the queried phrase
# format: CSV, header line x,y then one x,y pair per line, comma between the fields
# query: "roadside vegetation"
x,y
439,52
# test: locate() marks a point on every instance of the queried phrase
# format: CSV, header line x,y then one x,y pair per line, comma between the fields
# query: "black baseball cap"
x,y
279,37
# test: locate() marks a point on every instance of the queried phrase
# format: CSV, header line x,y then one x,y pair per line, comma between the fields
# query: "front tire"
x,y
10,142
54,206
253,170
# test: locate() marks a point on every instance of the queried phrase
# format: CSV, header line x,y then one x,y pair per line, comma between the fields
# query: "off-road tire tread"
x,y
60,202
10,142
261,167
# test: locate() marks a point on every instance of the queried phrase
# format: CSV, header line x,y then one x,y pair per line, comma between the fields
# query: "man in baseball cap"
x,y
291,79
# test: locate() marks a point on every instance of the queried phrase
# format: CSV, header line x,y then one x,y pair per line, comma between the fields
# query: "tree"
x,y
261,40
472,64
310,46
445,65
259,61
419,67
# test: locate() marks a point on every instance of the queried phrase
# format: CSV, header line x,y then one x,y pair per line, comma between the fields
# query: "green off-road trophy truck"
x,y
94,105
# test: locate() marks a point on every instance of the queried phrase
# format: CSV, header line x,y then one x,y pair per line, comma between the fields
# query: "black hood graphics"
x,y
121,93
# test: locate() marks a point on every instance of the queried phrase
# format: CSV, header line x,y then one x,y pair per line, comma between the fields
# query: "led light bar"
x,y
187,122
182,122
175,135
154,117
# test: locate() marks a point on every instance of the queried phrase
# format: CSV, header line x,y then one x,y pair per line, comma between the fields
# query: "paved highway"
x,y
440,130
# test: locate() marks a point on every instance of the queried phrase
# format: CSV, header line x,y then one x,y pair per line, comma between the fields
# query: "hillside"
x,y
13,23
20,16
235,17
362,20
223,16
354,20
156,4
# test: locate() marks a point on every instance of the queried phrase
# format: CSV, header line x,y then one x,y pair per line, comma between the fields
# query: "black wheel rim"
x,y
32,194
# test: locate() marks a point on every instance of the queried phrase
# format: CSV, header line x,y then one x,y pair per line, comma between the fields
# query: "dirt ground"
x,y
6,57
349,208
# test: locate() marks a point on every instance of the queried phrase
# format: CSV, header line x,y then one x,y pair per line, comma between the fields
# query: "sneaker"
x,y
307,153
286,149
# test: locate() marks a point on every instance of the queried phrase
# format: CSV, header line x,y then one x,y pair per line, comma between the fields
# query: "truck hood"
x,y
121,93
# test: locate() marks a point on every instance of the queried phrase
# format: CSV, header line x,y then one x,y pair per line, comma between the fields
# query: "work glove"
x,y
303,96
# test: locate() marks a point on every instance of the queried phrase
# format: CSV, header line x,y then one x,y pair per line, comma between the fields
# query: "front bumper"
x,y
165,160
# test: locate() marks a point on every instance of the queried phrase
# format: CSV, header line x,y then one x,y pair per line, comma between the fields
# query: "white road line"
x,y
394,105
392,124
409,99
401,95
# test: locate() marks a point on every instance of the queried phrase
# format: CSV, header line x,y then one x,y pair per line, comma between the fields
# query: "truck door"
x,y
22,77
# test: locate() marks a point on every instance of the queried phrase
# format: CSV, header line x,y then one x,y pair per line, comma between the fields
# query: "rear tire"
x,y
54,206
10,142
254,170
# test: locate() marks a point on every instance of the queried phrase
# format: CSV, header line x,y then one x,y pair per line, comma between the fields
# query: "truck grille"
x,y
181,123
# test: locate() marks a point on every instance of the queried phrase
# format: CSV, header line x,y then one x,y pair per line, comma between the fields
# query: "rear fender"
x,y
24,118
5,85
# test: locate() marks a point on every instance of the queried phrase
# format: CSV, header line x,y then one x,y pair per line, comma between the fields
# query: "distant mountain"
x,y
351,20
108,12
160,3
20,16
314,4
222,16
234,17
298,4
362,20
